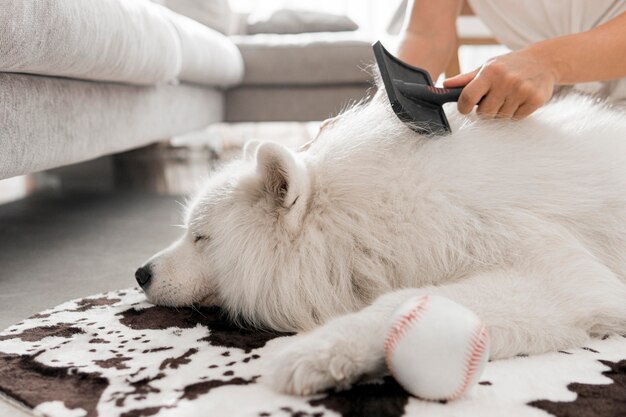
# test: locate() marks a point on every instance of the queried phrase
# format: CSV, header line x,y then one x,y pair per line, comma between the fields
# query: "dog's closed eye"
x,y
198,237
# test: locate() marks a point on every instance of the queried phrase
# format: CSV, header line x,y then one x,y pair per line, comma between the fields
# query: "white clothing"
x,y
520,23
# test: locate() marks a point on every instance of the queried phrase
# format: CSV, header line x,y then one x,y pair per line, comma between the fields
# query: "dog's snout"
x,y
143,275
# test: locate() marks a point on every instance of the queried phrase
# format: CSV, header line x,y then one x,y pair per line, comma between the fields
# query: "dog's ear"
x,y
286,178
249,149
282,174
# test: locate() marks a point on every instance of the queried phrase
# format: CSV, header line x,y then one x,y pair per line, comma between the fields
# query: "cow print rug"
x,y
116,355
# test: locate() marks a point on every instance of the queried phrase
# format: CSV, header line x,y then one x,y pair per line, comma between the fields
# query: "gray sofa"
x,y
79,80
300,77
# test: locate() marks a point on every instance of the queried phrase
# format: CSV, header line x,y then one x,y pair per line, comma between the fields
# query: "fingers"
x,y
525,110
486,88
498,94
532,100
472,94
509,86
508,109
491,104
460,80
489,90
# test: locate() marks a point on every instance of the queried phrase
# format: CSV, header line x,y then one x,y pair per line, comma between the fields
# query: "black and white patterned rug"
x,y
115,355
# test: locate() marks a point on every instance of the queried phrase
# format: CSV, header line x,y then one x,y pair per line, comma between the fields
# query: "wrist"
x,y
550,60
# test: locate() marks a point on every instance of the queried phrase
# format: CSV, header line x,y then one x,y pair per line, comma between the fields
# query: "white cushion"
x,y
208,57
110,40
130,41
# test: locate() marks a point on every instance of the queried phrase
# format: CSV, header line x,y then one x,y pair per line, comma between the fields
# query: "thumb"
x,y
461,79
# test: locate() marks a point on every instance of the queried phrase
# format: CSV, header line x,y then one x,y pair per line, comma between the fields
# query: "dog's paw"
x,y
313,363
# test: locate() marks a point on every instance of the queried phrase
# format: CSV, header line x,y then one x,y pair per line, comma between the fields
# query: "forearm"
x,y
594,55
429,34
429,52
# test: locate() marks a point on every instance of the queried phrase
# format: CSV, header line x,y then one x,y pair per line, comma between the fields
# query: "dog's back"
x,y
436,208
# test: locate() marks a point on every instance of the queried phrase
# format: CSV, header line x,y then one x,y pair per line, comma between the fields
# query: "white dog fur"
x,y
522,222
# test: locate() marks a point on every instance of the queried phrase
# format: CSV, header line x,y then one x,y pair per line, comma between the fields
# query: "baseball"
x,y
435,348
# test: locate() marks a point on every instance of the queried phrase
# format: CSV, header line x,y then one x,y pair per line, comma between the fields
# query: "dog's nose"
x,y
143,275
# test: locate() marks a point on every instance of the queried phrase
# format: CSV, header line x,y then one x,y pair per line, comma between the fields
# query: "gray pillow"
x,y
299,21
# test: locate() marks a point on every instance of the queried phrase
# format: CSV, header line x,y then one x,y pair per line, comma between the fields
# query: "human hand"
x,y
509,86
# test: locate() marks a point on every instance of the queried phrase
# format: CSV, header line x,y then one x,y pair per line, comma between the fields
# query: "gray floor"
x,y
57,246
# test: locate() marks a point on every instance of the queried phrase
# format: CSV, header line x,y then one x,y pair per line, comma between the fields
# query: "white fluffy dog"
x,y
522,222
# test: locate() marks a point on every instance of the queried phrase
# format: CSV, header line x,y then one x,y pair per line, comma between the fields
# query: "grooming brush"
x,y
414,98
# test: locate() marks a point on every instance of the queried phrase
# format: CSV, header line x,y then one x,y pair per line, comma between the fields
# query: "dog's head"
x,y
239,238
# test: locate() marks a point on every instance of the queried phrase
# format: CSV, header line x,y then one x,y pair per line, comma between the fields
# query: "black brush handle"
x,y
428,93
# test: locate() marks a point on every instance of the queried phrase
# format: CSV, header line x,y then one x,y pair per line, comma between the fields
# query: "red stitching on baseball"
x,y
478,344
401,326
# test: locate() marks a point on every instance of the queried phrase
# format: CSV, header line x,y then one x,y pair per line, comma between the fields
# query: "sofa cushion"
x,y
207,56
306,59
298,21
130,41
110,40
48,121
